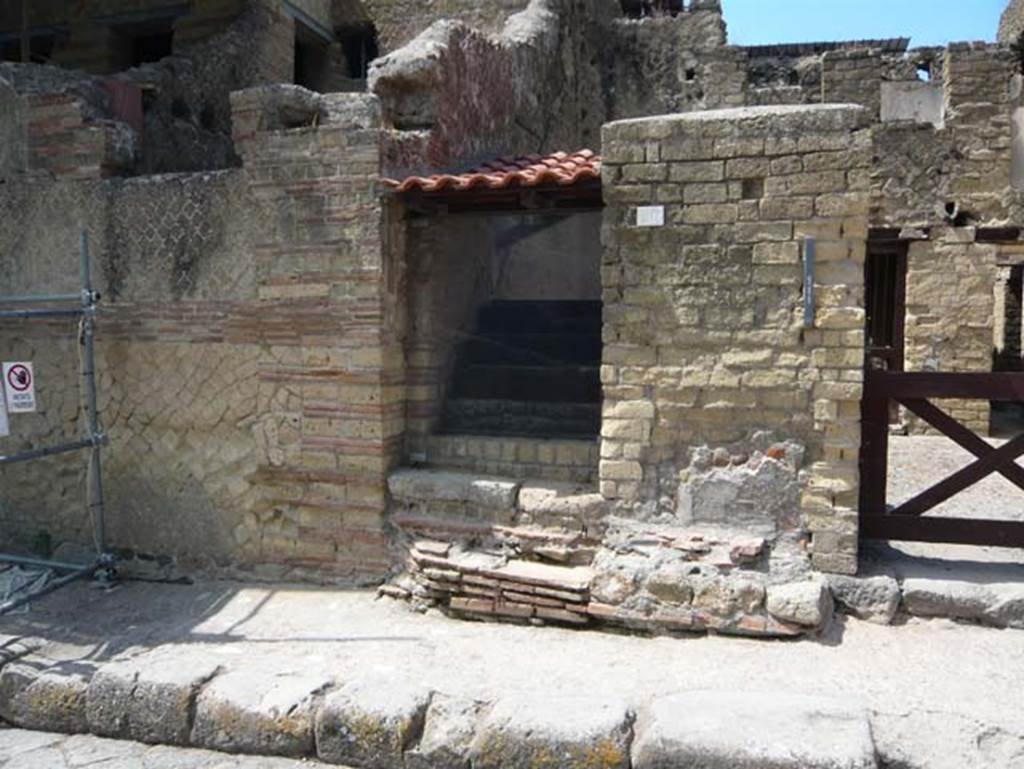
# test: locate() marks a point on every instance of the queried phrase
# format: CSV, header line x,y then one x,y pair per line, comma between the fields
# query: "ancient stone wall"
x,y
399,21
707,364
853,77
181,120
959,172
250,369
670,64
1011,23
951,283
177,391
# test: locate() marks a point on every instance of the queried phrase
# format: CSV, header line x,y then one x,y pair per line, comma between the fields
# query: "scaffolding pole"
x,y
92,441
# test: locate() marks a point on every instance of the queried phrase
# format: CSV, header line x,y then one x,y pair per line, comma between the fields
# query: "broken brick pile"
x,y
647,581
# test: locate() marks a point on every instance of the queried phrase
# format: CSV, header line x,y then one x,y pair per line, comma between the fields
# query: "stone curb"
x,y
382,723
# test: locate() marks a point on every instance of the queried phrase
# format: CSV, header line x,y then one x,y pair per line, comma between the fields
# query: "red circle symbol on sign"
x,y
19,378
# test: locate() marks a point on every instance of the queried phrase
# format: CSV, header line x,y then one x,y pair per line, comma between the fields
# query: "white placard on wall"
x,y
19,387
650,216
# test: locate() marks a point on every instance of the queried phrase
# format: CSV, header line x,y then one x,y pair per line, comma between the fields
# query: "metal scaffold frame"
x,y
93,440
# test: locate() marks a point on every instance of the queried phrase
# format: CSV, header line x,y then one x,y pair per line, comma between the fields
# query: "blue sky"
x,y
927,22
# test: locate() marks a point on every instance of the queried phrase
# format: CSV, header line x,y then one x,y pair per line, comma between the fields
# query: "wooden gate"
x,y
908,521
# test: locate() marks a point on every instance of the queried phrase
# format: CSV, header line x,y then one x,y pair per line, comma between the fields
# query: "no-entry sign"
x,y
19,387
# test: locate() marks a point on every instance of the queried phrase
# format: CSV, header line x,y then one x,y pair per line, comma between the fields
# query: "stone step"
x,y
540,316
570,460
534,349
453,497
550,384
474,416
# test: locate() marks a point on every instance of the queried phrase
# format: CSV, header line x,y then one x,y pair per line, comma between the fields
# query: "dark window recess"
x,y
310,63
752,189
152,47
359,42
40,49
638,9
143,43
885,273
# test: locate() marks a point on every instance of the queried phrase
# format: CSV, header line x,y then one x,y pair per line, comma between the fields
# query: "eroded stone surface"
x,y
370,724
51,700
727,731
150,698
256,712
553,733
875,599
450,725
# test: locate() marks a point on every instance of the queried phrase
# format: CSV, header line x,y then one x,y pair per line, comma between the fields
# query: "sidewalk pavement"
x,y
300,671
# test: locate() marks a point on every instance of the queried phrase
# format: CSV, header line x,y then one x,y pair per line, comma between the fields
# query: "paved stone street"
x,y
286,669
21,749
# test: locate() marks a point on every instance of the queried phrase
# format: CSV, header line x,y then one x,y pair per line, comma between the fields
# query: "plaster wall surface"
x,y
918,101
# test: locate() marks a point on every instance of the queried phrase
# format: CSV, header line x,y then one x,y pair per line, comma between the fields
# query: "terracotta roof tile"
x,y
561,169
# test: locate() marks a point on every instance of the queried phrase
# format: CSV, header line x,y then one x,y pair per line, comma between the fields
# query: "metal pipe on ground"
x,y
67,579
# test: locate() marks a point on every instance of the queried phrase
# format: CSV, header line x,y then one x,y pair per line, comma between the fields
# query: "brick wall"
x,y
331,381
703,340
251,374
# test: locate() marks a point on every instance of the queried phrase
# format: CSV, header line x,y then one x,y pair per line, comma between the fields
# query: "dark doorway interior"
x,y
885,287
529,369
885,294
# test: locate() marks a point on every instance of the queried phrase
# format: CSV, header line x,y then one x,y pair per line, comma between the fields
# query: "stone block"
x,y
727,731
553,732
446,486
999,604
448,733
258,713
150,698
50,700
370,724
808,603
875,599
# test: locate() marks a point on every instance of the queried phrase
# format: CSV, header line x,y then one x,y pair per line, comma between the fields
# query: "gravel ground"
x,y
920,461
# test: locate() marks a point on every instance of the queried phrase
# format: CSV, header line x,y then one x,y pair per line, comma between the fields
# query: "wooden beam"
x,y
963,478
957,531
961,435
1007,386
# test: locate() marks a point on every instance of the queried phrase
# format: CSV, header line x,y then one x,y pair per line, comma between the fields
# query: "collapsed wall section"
x,y
455,95
707,361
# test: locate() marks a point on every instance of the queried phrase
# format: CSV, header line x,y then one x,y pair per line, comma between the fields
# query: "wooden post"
x,y
26,39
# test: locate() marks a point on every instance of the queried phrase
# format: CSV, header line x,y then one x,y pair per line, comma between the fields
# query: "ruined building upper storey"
x,y
134,87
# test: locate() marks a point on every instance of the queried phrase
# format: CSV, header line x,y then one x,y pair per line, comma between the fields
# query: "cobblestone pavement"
x,y
20,749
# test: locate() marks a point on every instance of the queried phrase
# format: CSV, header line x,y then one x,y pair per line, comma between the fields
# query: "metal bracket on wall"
x,y
93,440
808,282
